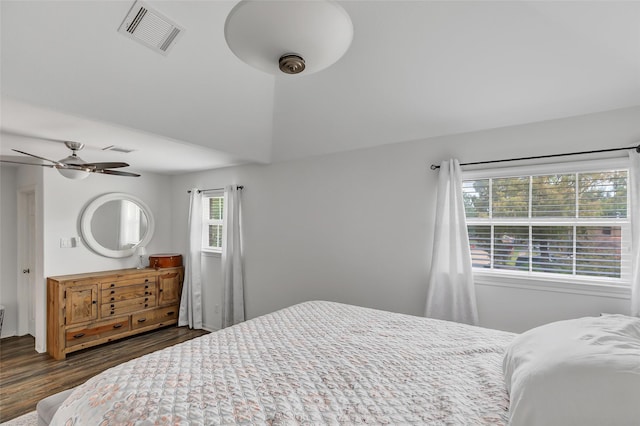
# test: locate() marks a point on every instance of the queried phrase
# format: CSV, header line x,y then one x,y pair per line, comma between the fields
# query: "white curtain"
x,y
191,301
129,229
634,193
451,295
232,258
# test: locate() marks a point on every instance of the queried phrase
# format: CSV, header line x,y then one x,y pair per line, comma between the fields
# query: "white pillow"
x,y
576,372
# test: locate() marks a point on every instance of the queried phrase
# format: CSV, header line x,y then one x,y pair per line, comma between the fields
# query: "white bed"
x,y
312,363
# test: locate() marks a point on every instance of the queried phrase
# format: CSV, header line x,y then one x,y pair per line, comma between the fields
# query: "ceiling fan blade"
x,y
106,165
31,136
57,163
27,163
115,172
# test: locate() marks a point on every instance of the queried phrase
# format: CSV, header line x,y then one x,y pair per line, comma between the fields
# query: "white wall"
x,y
211,292
62,203
65,199
8,252
59,203
357,227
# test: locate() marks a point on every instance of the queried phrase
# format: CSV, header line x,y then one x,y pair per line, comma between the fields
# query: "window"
x,y
213,210
565,220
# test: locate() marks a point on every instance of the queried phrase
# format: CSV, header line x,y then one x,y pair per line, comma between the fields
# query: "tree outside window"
x,y
566,223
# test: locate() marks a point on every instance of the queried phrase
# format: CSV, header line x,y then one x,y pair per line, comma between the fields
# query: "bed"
x,y
312,363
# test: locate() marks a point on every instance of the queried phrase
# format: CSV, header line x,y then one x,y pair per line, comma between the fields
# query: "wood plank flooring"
x,y
26,376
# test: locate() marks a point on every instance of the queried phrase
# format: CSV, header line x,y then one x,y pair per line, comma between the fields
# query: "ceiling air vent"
x,y
118,149
150,28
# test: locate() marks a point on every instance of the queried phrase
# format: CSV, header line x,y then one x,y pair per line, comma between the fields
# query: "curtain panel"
x,y
191,302
232,258
634,193
451,294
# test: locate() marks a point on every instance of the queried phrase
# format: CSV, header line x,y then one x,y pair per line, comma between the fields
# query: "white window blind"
x,y
213,208
535,222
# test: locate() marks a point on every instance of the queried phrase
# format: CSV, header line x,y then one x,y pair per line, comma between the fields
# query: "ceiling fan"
x,y
74,167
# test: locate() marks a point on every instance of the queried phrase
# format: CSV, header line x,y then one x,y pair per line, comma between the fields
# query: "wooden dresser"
x,y
85,310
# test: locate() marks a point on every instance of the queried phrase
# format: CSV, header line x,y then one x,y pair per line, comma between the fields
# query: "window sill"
x,y
211,253
502,279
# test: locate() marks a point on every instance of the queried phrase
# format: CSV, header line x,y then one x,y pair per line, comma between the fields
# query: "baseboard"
x,y
209,328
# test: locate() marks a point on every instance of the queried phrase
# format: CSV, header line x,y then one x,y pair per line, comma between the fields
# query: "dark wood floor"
x,y
27,376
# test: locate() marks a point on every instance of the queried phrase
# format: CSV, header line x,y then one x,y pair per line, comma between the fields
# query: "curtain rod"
x,y
214,189
637,148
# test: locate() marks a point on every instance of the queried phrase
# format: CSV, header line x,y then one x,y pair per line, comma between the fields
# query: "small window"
x,y
546,221
213,210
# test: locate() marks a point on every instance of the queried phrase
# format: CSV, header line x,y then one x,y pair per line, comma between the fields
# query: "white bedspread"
x,y
312,363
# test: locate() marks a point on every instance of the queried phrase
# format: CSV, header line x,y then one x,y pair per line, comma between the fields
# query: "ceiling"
x,y
415,69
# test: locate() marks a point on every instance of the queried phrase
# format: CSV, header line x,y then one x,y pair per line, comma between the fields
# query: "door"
x,y
169,288
81,303
26,259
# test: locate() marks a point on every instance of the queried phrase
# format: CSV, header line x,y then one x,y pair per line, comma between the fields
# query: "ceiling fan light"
x,y
74,167
260,32
74,174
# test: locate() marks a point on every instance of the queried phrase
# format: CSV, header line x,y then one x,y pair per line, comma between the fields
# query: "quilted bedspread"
x,y
313,363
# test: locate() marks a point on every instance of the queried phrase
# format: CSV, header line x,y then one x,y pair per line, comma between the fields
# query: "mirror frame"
x,y
95,204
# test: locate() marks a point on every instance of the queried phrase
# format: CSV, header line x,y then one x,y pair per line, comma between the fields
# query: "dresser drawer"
x,y
126,306
79,335
124,283
117,294
155,316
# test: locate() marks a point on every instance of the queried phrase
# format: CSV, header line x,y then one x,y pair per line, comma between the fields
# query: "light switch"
x,y
69,242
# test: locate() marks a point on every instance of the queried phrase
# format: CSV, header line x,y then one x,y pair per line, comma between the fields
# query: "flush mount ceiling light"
x,y
288,36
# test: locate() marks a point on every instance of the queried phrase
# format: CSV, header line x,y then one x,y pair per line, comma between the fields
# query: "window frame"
x,y
206,221
602,286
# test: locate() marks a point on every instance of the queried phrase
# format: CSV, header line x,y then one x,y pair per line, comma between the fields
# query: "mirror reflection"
x,y
114,224
119,224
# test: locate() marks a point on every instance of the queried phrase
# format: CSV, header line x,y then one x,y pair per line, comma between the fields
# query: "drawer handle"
x,y
112,299
161,290
94,302
170,313
113,306
146,299
77,336
142,320
113,285
146,305
112,312
117,326
113,292
146,286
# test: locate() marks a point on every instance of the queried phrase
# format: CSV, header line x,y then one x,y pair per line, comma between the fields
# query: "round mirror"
x,y
113,225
